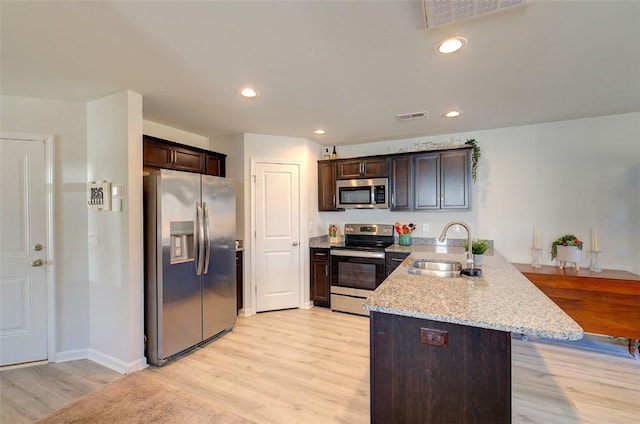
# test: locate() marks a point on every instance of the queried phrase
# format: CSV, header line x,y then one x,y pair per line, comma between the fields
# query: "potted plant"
x,y
478,247
566,249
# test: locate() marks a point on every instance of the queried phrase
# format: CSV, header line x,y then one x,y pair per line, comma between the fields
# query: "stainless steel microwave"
x,y
362,193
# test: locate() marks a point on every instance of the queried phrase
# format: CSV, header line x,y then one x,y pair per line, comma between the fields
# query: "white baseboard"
x,y
116,364
307,305
245,312
71,355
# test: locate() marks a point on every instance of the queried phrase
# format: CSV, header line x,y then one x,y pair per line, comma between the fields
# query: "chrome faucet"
x,y
466,227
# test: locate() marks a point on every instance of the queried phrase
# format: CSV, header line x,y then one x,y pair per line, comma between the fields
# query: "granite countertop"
x,y
502,299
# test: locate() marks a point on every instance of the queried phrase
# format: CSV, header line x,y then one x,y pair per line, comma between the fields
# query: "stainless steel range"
x,y
358,267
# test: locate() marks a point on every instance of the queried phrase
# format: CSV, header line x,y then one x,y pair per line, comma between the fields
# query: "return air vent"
x,y
411,116
442,12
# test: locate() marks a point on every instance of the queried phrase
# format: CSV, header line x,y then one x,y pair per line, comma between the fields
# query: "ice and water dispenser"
x,y
182,241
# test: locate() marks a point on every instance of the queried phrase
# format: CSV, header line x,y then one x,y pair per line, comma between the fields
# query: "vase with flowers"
x,y
404,233
566,249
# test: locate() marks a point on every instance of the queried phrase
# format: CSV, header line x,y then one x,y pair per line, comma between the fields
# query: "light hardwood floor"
x,y
312,366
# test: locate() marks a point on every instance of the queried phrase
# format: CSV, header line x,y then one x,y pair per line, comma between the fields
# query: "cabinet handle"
x,y
393,200
397,259
334,200
320,254
326,270
362,168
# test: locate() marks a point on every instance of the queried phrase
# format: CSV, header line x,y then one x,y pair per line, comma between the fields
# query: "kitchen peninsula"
x,y
441,347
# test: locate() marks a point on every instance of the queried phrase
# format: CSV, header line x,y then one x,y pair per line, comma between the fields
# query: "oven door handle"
x,y
357,254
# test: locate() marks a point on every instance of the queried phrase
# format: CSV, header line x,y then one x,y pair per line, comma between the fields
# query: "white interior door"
x,y
23,255
277,244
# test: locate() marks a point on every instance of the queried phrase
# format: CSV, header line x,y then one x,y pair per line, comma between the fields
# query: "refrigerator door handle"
x,y
200,246
207,238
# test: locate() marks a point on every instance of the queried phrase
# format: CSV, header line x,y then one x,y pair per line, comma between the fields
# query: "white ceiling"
x,y
346,66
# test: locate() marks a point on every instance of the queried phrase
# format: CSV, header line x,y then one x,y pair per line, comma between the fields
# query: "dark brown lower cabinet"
x,y
320,277
426,371
239,279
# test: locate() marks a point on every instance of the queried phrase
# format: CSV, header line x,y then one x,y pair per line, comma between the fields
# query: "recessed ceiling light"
x,y
249,92
453,113
319,131
450,45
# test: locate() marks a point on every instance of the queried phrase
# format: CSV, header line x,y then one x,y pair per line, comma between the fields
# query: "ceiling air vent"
x,y
411,116
442,12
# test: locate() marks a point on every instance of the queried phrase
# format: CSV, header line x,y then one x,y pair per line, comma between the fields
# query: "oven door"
x,y
355,270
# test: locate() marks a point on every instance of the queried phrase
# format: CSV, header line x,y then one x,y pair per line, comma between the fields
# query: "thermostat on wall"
x,y
99,195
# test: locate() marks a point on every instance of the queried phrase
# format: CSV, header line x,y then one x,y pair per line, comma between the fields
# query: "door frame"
x,y
252,231
49,200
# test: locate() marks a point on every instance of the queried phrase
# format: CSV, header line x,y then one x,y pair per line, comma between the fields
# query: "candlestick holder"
x,y
595,261
535,257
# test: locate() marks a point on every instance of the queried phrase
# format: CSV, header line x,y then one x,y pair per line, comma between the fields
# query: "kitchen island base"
x,y
425,371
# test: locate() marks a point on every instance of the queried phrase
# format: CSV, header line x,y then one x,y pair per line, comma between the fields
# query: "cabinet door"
x,y
326,186
188,160
215,164
394,259
454,187
156,154
427,181
374,168
349,169
401,184
320,277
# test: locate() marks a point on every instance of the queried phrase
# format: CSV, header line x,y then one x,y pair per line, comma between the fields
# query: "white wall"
x,y
165,132
66,121
233,147
114,153
561,177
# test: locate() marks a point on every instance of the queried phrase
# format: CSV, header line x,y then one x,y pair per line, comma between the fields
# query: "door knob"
x,y
37,247
295,243
37,262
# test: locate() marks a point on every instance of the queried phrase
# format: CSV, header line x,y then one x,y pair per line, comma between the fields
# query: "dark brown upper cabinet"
x,y
442,180
401,183
362,168
160,153
430,181
327,185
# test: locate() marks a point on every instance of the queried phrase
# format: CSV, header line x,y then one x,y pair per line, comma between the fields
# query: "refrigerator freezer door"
x,y
219,283
173,313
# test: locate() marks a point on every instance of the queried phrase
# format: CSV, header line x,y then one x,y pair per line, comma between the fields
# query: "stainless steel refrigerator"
x,y
190,273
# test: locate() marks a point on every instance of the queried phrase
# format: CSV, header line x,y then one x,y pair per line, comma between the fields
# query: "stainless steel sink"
x,y
436,268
